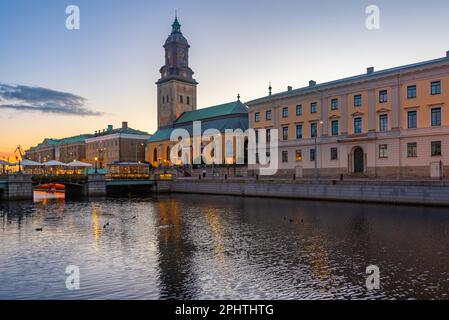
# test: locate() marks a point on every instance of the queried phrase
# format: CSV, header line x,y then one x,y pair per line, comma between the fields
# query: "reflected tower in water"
x,y
176,252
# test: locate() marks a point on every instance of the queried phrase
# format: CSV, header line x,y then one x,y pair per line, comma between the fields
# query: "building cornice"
x,y
118,136
177,79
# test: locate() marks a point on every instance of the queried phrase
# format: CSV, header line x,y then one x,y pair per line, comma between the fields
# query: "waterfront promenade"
x,y
429,192
415,192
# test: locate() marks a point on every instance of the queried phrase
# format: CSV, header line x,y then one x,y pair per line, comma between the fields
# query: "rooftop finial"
x,y
270,89
238,97
176,26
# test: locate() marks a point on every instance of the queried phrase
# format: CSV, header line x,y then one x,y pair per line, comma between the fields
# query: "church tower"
x,y
176,89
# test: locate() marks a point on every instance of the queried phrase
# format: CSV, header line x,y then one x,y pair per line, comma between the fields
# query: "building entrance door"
x,y
358,161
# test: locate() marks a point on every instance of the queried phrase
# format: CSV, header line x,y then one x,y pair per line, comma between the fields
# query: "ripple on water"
x,y
197,247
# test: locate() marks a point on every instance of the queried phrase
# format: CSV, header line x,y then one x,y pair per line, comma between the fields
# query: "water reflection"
x,y
213,219
45,197
96,225
204,247
175,252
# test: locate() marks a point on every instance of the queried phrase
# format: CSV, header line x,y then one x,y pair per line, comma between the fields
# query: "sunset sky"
x,y
56,83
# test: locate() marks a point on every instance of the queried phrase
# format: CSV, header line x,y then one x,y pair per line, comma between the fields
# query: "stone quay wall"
x,y
17,187
397,192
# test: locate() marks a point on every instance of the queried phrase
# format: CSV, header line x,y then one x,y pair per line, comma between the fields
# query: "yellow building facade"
x,y
390,123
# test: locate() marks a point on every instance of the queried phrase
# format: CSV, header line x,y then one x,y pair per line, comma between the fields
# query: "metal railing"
x,y
129,176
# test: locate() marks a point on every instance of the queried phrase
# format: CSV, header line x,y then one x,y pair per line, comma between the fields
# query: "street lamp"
x,y
96,164
315,171
137,145
100,156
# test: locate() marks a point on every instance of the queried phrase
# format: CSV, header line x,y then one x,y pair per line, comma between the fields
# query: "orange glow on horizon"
x,y
7,155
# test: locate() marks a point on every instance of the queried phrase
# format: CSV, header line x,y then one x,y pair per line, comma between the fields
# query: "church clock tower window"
x,y
176,79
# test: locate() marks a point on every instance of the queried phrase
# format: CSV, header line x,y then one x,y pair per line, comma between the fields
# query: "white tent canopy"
x,y
54,163
79,164
29,163
5,163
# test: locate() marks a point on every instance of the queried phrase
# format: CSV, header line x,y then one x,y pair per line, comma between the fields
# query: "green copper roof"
x,y
233,115
80,138
176,26
52,142
235,122
161,135
57,142
213,112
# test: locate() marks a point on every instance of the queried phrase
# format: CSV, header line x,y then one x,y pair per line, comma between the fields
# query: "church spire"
x,y
176,26
176,56
176,89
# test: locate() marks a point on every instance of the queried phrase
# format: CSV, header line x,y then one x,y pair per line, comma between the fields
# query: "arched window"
x,y
155,155
246,151
168,153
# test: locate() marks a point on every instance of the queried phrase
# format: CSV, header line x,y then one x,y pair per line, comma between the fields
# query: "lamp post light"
x,y
100,158
137,145
96,164
315,171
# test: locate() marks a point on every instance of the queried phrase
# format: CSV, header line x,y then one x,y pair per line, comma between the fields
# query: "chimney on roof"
x,y
289,88
110,128
104,130
369,70
312,83
95,132
125,125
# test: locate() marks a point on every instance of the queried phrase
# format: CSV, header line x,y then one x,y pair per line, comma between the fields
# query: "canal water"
x,y
214,247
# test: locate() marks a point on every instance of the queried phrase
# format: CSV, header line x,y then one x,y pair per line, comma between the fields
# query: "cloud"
x,y
37,99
